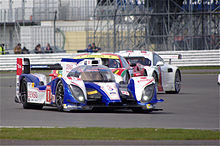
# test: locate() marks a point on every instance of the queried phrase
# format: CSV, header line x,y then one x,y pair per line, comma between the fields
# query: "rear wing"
x,y
24,65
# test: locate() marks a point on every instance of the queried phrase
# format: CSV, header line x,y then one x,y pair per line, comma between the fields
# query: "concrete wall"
x,y
10,38
75,41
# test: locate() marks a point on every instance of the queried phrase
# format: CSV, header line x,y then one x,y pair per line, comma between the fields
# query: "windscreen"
x,y
92,74
141,60
111,63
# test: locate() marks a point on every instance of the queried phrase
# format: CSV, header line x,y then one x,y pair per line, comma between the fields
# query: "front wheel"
x,y
59,95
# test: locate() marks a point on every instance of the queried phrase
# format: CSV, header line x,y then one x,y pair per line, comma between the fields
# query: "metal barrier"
x,y
188,58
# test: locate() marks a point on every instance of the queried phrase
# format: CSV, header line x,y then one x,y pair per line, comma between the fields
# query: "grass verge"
x,y
107,134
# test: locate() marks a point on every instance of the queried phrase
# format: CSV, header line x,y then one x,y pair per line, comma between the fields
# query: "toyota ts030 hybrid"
x,y
146,63
116,63
86,86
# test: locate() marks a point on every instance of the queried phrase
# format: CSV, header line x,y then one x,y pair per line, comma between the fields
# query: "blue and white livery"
x,y
82,84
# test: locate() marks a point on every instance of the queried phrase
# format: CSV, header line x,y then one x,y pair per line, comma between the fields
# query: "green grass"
x,y
107,134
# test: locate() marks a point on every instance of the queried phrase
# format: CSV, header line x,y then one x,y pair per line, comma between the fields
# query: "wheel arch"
x,y
155,72
149,71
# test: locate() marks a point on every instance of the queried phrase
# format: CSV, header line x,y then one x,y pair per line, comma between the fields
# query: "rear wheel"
x,y
177,83
24,97
24,94
59,95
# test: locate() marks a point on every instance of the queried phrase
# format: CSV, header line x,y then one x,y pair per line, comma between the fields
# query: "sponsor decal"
x,y
110,88
69,67
113,93
144,80
32,94
73,78
125,92
92,92
19,66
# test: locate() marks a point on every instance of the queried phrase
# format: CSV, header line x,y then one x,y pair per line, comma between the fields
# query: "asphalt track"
x,y
110,142
197,107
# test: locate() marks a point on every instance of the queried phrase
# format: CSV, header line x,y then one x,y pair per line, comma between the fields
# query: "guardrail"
x,y
188,58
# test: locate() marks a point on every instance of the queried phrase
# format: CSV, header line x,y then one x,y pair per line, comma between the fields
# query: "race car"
x,y
88,85
116,63
219,79
146,63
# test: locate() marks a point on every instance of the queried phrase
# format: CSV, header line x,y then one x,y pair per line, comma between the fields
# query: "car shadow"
x,y
107,111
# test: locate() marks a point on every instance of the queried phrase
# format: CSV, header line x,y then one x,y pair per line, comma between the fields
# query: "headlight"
x,y
148,93
77,93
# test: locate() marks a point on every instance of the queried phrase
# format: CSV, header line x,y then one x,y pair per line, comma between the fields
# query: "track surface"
x,y
197,106
110,142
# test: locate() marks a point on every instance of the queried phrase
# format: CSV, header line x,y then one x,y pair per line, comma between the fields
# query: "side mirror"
x,y
159,63
121,83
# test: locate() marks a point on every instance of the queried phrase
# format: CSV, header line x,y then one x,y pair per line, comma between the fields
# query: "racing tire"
x,y
59,95
24,96
156,80
177,83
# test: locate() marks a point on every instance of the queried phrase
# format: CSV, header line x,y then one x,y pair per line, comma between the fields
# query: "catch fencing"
x,y
187,58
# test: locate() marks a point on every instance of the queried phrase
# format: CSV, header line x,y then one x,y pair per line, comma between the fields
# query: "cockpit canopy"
x,y
88,73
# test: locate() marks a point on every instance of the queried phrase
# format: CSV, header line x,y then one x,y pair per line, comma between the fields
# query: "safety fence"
x,y
186,58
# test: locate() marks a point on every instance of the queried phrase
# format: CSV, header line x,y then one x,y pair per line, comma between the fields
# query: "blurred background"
x,y
114,25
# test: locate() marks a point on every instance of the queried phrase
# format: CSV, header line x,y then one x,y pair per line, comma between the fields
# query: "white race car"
x,y
219,79
146,63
